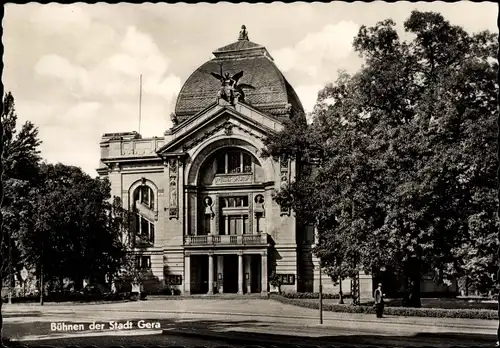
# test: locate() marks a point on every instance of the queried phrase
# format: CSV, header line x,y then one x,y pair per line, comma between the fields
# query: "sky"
x,y
74,70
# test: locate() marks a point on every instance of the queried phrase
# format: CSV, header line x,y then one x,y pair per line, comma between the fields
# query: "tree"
x,y
407,171
72,234
20,156
124,221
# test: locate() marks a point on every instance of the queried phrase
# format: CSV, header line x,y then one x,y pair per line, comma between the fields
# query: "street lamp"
x,y
320,294
10,270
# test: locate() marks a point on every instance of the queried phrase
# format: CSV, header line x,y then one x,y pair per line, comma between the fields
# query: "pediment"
x,y
217,119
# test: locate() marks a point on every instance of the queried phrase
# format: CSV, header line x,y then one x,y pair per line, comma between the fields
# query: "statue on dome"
x,y
243,33
230,90
173,118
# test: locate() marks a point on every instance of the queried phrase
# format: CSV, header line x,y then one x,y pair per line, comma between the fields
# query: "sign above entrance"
x,y
227,179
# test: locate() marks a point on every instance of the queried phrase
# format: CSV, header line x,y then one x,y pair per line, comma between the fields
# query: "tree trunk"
x,y
412,279
415,291
1,323
42,285
341,295
78,283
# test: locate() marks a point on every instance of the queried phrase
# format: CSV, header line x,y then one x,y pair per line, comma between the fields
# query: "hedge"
x,y
397,311
69,297
313,295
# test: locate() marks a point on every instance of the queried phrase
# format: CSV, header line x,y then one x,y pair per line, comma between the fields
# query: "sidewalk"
x,y
250,317
261,310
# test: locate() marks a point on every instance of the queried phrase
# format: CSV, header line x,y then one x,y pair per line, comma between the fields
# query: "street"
x,y
236,323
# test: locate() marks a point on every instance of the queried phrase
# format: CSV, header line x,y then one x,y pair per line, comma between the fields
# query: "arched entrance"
x,y
227,231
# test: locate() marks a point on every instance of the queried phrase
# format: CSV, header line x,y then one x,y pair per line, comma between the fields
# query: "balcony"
x,y
123,145
228,240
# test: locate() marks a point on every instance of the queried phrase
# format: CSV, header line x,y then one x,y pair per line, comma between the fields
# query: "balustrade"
x,y
243,239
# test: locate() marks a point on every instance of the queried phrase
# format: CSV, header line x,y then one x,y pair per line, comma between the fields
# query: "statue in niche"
x,y
208,203
259,199
173,165
284,180
173,193
259,205
230,91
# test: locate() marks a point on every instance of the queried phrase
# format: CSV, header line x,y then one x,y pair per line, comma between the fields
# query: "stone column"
x,y
240,273
264,273
213,219
248,270
220,270
210,274
187,274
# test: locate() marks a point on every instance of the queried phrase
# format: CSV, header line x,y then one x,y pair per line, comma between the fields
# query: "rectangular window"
x,y
245,225
137,224
235,202
144,227
238,225
145,262
247,163
220,161
232,225
206,224
234,162
222,226
151,232
145,195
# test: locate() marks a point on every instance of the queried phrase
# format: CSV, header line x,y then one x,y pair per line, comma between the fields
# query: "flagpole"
x,y
140,102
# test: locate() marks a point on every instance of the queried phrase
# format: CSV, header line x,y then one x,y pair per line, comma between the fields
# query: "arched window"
x,y
144,209
145,196
232,162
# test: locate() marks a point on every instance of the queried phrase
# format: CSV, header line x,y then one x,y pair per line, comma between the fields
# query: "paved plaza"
x,y
243,321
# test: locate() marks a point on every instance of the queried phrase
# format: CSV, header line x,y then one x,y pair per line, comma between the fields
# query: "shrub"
x,y
397,311
169,291
67,297
313,295
276,281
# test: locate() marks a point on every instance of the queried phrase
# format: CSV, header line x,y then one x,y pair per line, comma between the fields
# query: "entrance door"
x,y
199,274
230,274
255,275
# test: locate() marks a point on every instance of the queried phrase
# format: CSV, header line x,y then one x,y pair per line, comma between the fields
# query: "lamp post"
x,y
10,270
320,294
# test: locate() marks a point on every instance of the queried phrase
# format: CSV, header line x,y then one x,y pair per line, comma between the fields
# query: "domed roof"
x,y
272,93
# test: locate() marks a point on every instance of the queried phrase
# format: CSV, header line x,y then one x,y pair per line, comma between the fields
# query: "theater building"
x,y
202,194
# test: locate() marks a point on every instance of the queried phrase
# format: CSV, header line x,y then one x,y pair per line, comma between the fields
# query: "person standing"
x,y
379,301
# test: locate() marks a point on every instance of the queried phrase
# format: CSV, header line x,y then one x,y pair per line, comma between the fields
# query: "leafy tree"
x,y
20,158
124,221
406,173
276,281
72,235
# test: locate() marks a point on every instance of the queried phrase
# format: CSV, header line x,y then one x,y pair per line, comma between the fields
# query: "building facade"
x,y
202,194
